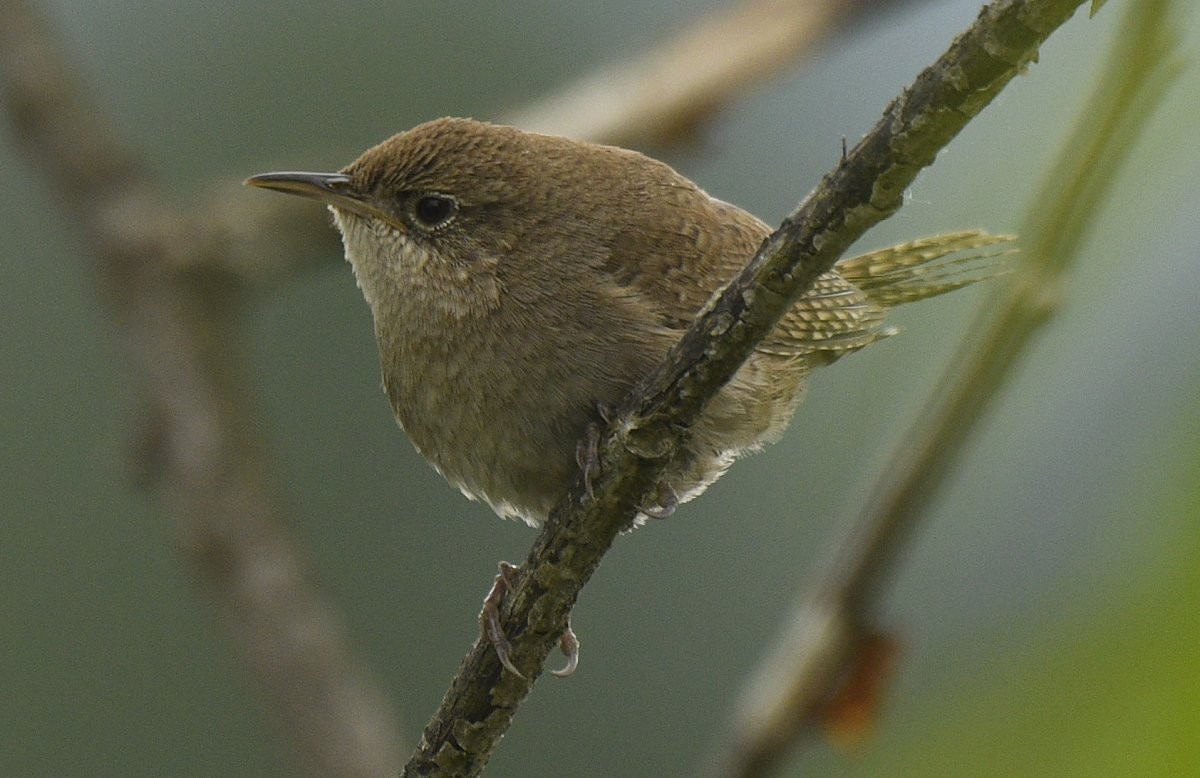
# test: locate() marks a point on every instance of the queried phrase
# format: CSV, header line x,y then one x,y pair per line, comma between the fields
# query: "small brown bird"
x,y
520,283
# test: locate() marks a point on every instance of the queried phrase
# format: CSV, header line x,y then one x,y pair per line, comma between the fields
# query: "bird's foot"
x,y
587,456
665,502
489,617
587,453
489,622
568,643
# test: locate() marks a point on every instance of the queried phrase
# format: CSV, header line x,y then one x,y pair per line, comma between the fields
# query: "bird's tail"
x,y
927,267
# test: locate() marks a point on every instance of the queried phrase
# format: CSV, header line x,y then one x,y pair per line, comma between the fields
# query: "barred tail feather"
x,y
919,269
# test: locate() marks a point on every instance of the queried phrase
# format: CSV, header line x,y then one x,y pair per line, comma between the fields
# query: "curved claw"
x,y
587,453
607,411
568,642
489,617
668,501
495,635
587,456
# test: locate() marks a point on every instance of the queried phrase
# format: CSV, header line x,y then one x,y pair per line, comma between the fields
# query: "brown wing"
x,y
692,263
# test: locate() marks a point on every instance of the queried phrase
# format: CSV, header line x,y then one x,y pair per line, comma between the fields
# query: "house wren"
x,y
520,283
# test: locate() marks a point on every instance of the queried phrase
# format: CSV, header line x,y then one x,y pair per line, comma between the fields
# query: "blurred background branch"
x,y
663,95
168,290
836,620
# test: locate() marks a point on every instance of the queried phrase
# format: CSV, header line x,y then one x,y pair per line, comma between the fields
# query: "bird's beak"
x,y
336,189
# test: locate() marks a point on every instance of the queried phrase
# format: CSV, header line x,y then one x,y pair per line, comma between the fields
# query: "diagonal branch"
x,y
864,189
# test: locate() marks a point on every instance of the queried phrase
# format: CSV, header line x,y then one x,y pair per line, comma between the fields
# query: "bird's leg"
x,y
489,617
587,456
489,622
587,453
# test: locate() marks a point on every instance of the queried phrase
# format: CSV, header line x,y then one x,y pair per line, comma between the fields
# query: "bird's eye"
x,y
434,210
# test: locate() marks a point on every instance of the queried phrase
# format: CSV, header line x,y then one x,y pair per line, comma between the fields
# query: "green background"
x,y
1048,612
